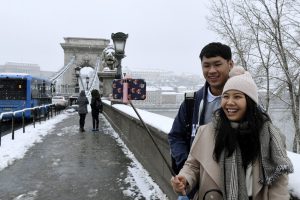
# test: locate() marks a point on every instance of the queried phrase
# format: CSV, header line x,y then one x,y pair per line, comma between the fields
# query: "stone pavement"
x,y
69,165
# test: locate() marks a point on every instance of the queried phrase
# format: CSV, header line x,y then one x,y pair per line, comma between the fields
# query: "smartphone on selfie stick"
x,y
129,88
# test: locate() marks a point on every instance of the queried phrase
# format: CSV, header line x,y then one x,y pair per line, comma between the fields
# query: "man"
x,y
216,61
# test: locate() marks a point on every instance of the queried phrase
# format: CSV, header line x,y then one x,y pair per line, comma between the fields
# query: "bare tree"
x,y
270,44
222,21
276,23
261,53
239,29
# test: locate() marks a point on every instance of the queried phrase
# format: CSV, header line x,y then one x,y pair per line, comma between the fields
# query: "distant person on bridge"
x,y
240,154
82,102
216,61
96,105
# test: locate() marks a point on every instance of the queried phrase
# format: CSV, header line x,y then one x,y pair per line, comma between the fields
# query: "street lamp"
x,y
119,40
87,82
77,73
53,87
67,88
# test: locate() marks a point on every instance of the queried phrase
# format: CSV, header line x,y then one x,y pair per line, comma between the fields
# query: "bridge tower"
x,y
80,52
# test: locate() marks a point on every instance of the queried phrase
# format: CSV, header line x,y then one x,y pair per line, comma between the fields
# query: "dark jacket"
x,y
82,102
177,136
94,102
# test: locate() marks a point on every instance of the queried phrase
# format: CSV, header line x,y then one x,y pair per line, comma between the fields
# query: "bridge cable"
x,y
94,77
63,70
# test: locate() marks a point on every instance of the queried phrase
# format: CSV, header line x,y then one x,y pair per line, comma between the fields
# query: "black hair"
x,y
95,93
228,138
216,49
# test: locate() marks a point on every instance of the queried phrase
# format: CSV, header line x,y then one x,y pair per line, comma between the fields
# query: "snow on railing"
x,y
36,114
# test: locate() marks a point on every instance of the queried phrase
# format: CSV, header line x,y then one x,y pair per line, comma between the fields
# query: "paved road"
x,y
69,165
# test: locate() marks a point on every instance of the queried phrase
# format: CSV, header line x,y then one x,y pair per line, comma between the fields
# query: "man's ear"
x,y
231,64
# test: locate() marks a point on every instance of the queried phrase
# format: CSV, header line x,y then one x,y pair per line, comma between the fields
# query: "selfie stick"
x,y
125,90
126,100
150,134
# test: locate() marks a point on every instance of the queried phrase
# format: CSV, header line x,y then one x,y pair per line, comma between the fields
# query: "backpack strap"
x,y
189,98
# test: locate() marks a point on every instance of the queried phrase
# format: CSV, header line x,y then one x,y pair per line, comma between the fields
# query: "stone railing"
x,y
139,142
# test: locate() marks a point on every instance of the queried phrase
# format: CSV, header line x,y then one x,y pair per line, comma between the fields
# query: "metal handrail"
x,y
34,109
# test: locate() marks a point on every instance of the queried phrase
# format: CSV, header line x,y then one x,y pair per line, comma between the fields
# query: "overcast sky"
x,y
166,34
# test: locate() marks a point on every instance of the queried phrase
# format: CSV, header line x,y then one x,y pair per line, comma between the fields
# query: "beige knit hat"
x,y
241,80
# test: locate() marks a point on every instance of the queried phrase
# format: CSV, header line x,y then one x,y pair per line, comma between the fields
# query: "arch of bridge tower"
x,y
86,51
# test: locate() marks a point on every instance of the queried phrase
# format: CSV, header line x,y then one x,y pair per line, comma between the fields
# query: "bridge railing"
x,y
38,113
134,135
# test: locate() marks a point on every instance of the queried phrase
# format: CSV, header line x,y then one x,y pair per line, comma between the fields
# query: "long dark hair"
x,y
95,93
246,135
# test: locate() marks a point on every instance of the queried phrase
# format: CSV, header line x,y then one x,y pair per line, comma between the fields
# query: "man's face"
x,y
215,71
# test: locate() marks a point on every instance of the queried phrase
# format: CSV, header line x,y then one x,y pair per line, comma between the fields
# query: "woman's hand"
x,y
179,183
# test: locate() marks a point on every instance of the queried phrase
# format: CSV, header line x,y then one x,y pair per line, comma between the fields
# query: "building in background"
x,y
164,89
27,68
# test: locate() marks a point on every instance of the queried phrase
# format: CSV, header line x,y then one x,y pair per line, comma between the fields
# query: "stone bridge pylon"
x,y
80,52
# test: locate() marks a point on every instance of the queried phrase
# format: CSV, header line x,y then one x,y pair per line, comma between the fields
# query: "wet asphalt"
x,y
69,166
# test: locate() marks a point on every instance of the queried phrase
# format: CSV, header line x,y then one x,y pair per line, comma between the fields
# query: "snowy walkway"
x,y
66,164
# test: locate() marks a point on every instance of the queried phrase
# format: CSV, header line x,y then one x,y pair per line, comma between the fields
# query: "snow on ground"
x,y
139,180
11,150
294,180
139,177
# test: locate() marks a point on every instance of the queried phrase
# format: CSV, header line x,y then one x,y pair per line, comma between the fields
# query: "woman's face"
x,y
234,105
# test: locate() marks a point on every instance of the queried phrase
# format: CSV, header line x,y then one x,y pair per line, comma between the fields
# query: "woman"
x,y
96,105
82,102
240,154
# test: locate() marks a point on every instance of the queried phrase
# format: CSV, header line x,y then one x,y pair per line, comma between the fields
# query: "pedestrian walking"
x,y
82,102
96,106
240,154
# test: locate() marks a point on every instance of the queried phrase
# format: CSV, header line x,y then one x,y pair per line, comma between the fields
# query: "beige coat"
x,y
201,167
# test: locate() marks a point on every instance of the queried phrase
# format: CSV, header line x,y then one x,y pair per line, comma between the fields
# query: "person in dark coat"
x,y
82,102
96,105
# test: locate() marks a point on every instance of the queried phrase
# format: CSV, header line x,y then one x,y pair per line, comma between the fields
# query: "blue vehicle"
x,y
19,91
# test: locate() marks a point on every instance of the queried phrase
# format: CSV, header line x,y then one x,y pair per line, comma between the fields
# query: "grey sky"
x,y
166,34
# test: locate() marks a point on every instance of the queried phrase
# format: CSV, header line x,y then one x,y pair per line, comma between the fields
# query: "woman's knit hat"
x,y
241,80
